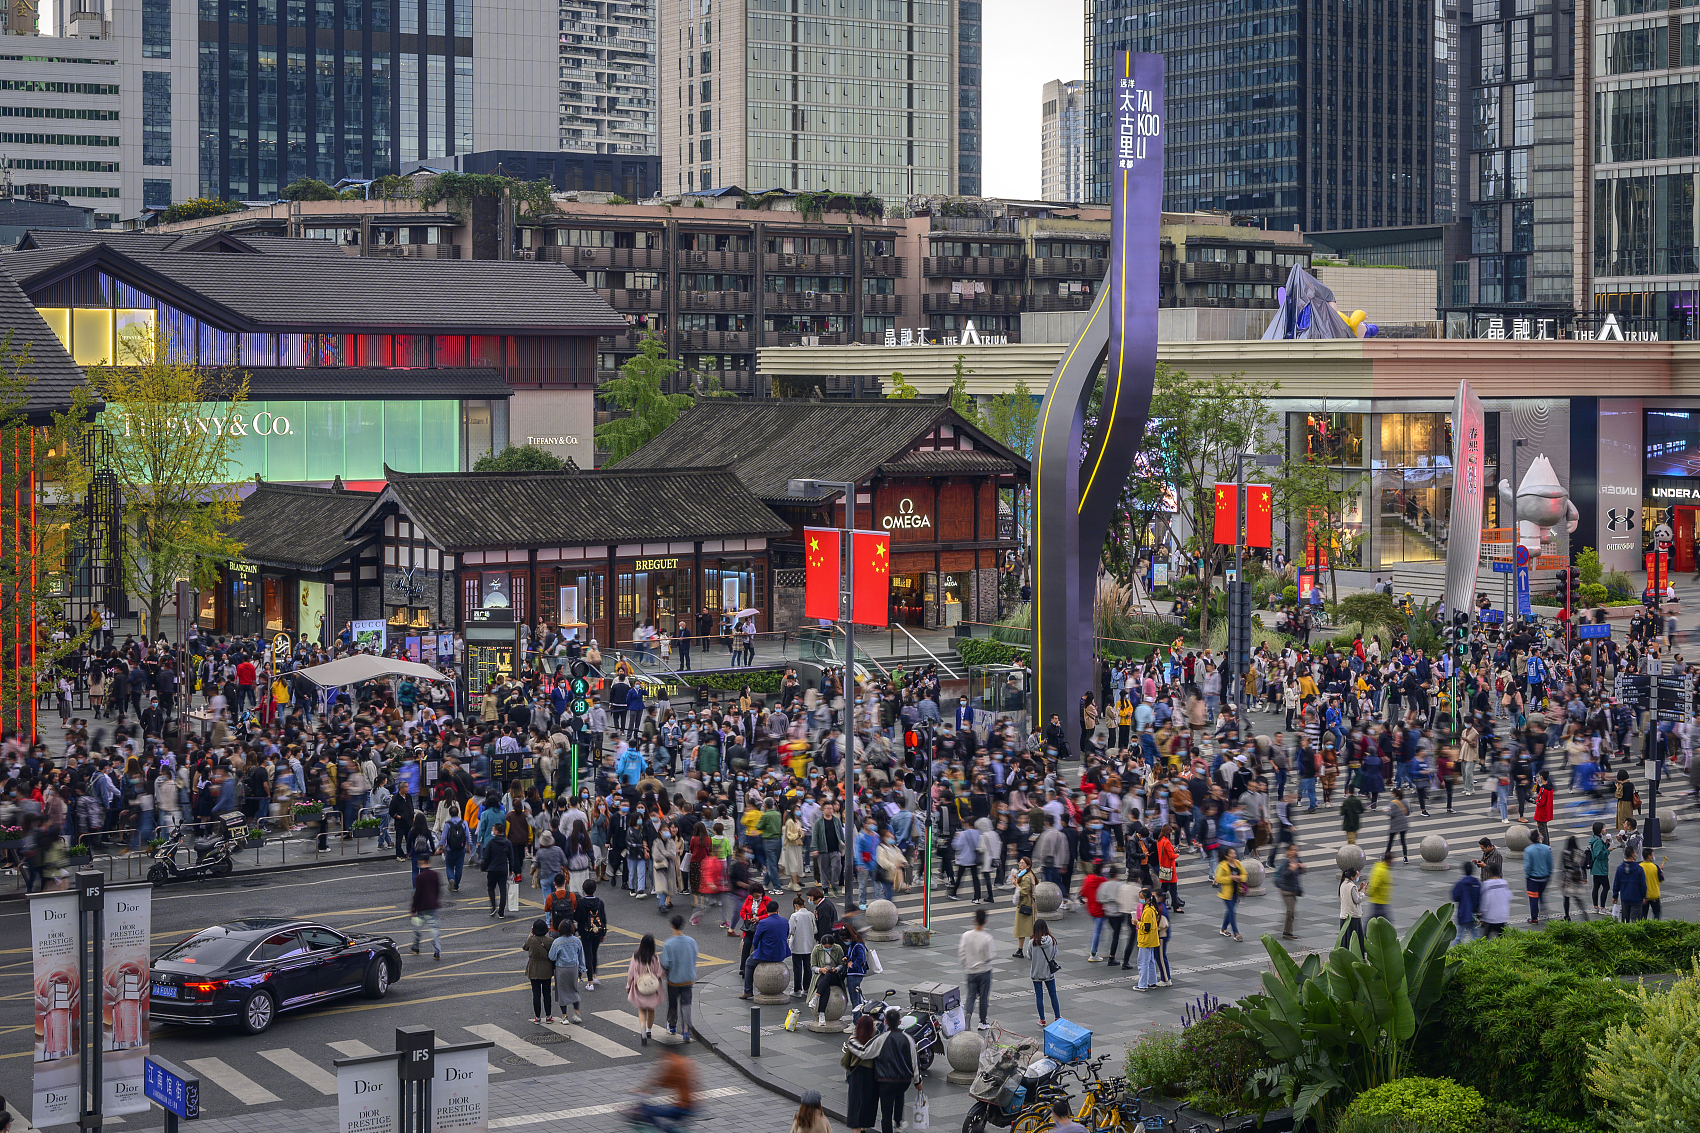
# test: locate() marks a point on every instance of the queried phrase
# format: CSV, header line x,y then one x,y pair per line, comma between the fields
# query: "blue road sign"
x,y
1590,631
1504,568
171,1088
1491,617
1521,555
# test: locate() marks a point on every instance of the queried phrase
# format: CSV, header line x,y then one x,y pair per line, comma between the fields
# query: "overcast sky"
x,y
1028,43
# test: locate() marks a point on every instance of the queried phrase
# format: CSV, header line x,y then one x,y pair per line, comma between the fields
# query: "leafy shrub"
x,y
1588,567
1289,594
1184,584
1439,1103
1621,585
1646,1069
1384,1123
1155,1060
984,651
1497,1118
1221,1055
1016,627
1594,593
1531,998
764,680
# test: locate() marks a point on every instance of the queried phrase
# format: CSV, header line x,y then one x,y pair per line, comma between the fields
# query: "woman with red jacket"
x,y
1543,805
1168,868
1095,877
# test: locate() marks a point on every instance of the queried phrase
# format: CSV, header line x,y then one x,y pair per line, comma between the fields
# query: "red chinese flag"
x,y
1227,515
1258,520
820,581
870,600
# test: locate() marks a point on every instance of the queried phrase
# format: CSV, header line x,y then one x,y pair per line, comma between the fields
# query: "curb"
x,y
257,871
754,1072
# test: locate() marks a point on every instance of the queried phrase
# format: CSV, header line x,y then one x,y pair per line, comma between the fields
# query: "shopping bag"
x,y
874,964
791,1019
919,1118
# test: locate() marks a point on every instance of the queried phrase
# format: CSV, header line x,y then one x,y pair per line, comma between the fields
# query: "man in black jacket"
x,y
498,863
401,813
826,913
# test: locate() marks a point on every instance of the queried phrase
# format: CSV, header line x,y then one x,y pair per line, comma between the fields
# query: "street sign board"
x,y
1521,555
172,1088
1585,632
1491,617
1503,568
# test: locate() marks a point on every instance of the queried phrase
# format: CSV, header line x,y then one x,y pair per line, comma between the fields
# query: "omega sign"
x,y
905,517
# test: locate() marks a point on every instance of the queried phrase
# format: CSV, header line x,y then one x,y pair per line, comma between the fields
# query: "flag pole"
x,y
849,609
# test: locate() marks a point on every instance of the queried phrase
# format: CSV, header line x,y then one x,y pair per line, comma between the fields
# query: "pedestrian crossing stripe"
x,y
591,1039
595,1110
314,1076
513,1044
233,1082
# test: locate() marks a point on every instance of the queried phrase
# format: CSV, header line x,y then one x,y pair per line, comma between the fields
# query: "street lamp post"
x,y
1237,661
813,489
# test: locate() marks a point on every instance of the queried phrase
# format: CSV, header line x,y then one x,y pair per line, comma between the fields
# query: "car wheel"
x,y
258,1012
158,874
377,978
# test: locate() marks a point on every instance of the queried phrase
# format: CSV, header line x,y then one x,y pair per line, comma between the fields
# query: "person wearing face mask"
x,y
867,847
664,862
640,832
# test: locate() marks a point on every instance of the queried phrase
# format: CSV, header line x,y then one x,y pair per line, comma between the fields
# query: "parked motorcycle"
x,y
917,1022
1017,1082
209,856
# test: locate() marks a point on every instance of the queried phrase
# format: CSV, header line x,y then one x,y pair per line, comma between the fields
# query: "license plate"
x,y
165,992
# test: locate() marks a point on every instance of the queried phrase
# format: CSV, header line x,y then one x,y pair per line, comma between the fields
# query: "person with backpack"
x,y
498,862
644,981
457,836
567,954
421,843
592,918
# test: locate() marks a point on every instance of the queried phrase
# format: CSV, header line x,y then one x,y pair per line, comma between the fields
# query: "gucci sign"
x,y
905,517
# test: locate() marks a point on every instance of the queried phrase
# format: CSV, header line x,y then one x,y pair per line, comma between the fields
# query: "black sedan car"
x,y
247,972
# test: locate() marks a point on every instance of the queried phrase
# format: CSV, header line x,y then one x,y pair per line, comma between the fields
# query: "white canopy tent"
x,y
366,667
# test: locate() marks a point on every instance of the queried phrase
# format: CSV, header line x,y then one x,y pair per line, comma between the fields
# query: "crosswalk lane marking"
x,y
594,1110
621,1019
351,1048
591,1039
442,1040
238,1085
291,1063
512,1043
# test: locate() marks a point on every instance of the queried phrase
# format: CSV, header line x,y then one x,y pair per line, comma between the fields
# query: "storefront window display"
x,y
654,592
243,600
1412,484
731,585
908,599
957,594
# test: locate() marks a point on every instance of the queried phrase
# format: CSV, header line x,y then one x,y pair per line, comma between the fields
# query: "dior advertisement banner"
x,y
125,991
460,1098
58,1007
368,1096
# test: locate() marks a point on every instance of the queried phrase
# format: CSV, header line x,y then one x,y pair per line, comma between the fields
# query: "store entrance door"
x,y
1682,554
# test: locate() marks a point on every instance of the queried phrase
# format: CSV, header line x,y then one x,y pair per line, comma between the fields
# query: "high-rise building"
x,y
1515,261
1643,138
1315,113
1062,152
607,80
863,97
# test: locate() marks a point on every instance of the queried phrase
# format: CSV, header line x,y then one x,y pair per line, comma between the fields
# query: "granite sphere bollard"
x,y
1667,824
1253,868
772,981
962,1051
881,919
1349,857
1047,898
1516,839
1435,851
834,1012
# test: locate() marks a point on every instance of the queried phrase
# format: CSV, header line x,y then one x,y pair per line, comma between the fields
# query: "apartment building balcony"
x,y
715,340
784,262
1080,302
973,267
413,251
634,298
949,301
741,301
884,266
882,304
1055,267
1210,271
654,259
741,262
808,301
839,339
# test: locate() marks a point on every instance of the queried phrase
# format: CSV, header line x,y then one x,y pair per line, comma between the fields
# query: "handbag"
x,y
1024,910
919,1118
1165,873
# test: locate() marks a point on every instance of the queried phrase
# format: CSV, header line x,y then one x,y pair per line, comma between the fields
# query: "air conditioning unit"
x,y
699,257
788,261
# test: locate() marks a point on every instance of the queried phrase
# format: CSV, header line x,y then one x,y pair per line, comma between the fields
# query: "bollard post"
x,y
755,1032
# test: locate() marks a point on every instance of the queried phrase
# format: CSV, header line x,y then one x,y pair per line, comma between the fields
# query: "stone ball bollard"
x,y
1349,857
1435,851
1253,876
836,1005
1667,824
881,919
962,1051
1047,898
1516,839
772,981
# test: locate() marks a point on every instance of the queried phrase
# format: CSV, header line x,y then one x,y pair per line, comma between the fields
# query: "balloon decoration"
x,y
1360,324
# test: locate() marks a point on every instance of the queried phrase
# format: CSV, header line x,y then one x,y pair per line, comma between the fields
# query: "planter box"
x,y
1275,1121
372,832
15,844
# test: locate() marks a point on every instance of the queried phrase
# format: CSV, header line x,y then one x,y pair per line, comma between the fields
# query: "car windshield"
x,y
210,947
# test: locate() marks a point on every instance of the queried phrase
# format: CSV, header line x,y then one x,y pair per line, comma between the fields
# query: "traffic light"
x,y
1461,631
1567,579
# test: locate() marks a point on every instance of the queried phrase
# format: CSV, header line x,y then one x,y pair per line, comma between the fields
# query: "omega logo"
x,y
905,517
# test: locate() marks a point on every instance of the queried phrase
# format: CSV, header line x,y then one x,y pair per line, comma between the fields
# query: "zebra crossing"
x,y
232,1083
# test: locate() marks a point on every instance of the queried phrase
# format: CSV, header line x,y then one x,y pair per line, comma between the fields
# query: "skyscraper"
x,y
607,80
863,100
1315,113
1062,152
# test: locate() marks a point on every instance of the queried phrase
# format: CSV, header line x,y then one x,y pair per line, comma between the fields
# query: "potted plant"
x,y
12,838
367,826
80,850
307,812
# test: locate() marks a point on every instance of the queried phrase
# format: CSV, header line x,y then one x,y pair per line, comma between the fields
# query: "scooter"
x,y
1006,1090
918,1023
206,857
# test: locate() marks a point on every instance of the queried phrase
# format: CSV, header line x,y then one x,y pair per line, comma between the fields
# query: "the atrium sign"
x,y
261,424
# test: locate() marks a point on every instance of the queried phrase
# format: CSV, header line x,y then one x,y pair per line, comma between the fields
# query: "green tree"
x,y
639,392
1646,1070
179,427
530,198
44,469
1013,418
1588,567
1371,611
901,390
1200,424
960,399
1309,490
308,189
520,458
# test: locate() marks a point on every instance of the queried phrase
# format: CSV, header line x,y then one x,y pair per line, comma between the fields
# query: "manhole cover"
x,y
548,1038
